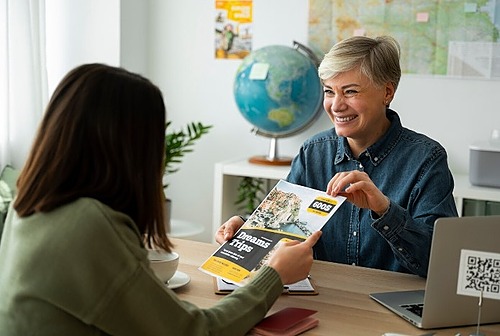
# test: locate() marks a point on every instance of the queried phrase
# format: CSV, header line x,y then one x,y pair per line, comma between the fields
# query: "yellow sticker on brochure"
x,y
225,269
322,206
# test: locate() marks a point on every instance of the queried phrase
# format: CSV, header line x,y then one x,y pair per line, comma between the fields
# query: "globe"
x,y
278,91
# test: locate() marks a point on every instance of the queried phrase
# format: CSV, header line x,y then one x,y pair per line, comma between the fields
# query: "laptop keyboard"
x,y
414,308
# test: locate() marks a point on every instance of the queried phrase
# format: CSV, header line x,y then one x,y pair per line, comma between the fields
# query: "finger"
x,y
219,236
330,188
228,232
340,181
367,187
232,227
352,187
313,239
291,242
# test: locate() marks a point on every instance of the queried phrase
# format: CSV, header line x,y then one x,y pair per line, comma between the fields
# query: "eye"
x,y
350,92
328,92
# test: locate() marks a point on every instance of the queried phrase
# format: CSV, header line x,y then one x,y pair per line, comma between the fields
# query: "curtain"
x,y
23,77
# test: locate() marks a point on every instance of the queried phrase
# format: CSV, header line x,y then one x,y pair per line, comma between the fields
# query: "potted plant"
x,y
250,193
177,144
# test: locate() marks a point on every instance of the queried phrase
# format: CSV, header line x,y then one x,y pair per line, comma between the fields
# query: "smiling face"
x,y
357,108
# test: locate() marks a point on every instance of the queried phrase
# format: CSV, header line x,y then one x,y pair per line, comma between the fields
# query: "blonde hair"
x,y
377,59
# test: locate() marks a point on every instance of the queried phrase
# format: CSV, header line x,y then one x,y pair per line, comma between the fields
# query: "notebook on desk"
x,y
440,305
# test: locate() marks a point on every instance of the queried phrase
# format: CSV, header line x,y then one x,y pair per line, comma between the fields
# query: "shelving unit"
x,y
465,191
227,177
229,173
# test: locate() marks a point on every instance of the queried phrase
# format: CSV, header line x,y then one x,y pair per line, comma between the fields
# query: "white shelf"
x,y
228,174
245,168
465,190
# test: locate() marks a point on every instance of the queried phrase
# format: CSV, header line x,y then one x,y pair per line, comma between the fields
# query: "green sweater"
x,y
83,270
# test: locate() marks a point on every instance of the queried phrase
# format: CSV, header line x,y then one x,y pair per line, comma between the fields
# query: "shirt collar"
x,y
380,149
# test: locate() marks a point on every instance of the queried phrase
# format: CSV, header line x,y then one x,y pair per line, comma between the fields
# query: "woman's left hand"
x,y
360,190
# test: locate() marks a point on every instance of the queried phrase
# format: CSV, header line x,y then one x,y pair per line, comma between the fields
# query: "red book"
x,y
286,322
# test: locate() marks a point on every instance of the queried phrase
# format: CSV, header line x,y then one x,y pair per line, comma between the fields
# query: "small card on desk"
x,y
286,322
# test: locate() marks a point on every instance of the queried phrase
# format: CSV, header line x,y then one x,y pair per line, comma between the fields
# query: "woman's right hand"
x,y
227,230
293,260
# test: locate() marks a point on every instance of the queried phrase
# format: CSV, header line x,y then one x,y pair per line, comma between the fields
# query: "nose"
x,y
336,104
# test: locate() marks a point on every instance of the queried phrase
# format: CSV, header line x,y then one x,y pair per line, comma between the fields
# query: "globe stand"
x,y
272,159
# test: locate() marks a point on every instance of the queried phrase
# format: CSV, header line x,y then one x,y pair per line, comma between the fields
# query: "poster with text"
x,y
233,28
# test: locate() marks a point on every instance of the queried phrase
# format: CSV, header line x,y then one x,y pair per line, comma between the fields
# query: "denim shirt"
x,y
409,168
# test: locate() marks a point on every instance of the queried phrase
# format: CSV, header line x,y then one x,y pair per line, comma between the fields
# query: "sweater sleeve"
x,y
138,303
144,306
82,270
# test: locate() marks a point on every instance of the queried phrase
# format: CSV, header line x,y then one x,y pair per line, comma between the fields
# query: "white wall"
x,y
81,31
172,42
198,87
134,36
454,112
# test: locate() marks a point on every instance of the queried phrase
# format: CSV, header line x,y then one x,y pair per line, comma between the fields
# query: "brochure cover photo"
x,y
288,212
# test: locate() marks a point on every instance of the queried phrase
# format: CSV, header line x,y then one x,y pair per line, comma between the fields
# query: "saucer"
x,y
178,280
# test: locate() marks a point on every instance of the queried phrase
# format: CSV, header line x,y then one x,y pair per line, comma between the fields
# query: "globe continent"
x,y
287,99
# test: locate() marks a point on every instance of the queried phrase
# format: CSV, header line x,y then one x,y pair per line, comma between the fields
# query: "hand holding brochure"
x,y
288,212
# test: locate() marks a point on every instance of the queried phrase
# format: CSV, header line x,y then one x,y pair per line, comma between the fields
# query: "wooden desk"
x,y
343,305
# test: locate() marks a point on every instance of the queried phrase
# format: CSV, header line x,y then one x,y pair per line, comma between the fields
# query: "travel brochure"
x,y
288,212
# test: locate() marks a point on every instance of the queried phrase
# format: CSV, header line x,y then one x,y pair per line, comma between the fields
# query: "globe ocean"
x,y
285,97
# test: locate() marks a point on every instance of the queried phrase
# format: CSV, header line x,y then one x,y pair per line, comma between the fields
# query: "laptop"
x,y
439,305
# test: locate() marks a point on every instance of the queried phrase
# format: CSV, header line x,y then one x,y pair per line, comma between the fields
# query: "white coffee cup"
x,y
164,264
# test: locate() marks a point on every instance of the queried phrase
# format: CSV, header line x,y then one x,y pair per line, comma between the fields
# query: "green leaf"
x,y
250,193
180,142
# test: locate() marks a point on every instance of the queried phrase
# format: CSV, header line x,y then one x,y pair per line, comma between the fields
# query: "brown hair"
x,y
103,137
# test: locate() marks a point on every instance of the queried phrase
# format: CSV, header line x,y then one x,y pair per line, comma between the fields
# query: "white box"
x,y
484,164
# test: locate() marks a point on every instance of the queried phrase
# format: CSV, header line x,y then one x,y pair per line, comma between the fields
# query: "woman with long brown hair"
x,y
73,257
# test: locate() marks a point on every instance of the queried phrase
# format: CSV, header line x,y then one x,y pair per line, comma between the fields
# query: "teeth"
x,y
344,119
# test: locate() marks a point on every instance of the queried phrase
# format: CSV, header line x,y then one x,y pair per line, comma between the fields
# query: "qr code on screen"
x,y
479,271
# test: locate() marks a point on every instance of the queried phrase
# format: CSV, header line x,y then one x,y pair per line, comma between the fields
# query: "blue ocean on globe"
x,y
286,98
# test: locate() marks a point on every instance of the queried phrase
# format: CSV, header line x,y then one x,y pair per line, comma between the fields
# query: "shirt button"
x,y
375,159
367,154
360,166
353,264
386,228
400,249
354,233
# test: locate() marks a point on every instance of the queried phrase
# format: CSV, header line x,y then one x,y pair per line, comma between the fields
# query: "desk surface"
x,y
343,305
